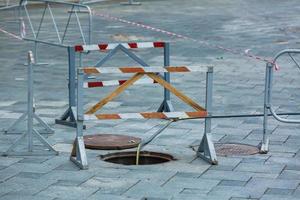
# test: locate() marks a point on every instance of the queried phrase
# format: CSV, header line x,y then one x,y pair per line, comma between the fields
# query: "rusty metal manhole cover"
x,y
110,141
235,149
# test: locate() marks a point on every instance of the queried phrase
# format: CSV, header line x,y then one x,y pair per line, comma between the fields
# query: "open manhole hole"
x,y
110,141
235,149
129,158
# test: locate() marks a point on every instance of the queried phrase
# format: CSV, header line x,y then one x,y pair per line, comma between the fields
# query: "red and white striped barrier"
x,y
126,70
146,115
133,45
94,84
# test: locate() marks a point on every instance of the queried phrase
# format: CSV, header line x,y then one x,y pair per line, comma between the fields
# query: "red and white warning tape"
x,y
10,34
132,45
233,51
114,70
116,82
146,115
135,45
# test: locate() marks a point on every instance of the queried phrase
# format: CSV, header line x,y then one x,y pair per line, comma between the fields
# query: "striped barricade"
x,y
206,149
68,118
146,115
110,46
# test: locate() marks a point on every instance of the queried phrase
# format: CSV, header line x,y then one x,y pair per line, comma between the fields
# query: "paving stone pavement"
x,y
262,27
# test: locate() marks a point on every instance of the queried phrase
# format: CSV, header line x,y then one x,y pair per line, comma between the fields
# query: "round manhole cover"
x,y
110,141
234,149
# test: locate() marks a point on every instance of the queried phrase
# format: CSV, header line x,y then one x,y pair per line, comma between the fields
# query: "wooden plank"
x,y
108,116
180,95
114,94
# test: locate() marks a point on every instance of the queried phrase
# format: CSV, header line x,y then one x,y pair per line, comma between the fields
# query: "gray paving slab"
x,y
24,197
68,192
151,190
260,27
260,168
111,185
227,175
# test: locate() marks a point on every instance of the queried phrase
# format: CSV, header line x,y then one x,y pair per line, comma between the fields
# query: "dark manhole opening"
x,y
235,149
110,141
129,158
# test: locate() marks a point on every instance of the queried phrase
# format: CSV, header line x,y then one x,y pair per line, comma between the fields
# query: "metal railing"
x,y
8,4
31,27
268,106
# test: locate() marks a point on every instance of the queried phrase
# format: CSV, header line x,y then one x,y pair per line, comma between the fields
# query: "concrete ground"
x,y
260,27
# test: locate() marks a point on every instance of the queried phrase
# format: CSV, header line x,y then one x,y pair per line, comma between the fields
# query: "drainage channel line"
x,y
144,143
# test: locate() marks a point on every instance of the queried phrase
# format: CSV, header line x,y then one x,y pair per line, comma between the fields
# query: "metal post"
x,y
72,91
30,113
72,78
208,101
166,105
206,149
35,50
79,158
30,105
268,78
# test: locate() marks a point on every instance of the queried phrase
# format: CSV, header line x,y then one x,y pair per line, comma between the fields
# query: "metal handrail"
x,y
8,5
284,52
86,39
269,105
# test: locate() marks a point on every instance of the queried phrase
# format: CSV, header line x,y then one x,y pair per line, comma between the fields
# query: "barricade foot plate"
x,y
207,151
78,154
264,147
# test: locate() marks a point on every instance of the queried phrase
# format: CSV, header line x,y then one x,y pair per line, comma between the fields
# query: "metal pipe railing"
x,y
36,35
268,107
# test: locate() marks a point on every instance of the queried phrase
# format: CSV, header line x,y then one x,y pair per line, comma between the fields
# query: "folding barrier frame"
x,y
8,5
268,107
74,10
31,131
130,2
206,149
68,118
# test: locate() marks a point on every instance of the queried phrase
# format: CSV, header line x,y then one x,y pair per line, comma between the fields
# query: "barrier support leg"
x,y
68,117
12,129
166,105
206,150
264,147
30,132
78,154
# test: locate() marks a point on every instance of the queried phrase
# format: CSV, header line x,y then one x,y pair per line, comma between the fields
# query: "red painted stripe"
x,y
78,48
102,46
122,81
133,45
158,44
95,84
